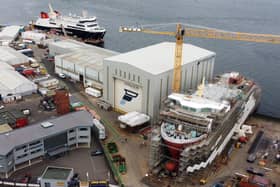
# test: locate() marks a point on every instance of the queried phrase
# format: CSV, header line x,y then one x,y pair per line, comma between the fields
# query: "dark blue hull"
x,y
85,35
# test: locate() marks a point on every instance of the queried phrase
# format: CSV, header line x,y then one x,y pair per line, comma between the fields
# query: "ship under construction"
x,y
195,127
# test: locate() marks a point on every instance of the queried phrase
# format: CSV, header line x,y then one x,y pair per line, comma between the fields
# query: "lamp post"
x,y
87,176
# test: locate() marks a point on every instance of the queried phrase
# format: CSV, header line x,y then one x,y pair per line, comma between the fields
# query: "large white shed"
x,y
85,65
12,57
13,83
9,34
58,47
140,80
4,65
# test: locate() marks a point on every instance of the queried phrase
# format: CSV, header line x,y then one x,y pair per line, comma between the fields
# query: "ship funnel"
x,y
84,13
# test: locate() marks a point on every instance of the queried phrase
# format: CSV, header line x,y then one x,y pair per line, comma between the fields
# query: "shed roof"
x,y
91,57
4,65
4,128
11,56
10,79
68,44
9,33
57,173
35,132
159,58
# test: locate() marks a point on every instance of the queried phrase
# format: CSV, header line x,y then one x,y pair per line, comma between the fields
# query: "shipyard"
x,y
76,112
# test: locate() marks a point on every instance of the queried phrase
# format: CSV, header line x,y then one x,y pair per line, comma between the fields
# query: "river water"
x,y
260,62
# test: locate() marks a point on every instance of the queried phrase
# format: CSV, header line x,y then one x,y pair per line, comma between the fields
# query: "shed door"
x,y
128,97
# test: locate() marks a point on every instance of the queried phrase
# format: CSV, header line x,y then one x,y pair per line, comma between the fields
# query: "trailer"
x,y
104,105
100,129
93,92
49,83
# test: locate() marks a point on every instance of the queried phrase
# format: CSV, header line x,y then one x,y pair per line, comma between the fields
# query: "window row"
x,y
129,76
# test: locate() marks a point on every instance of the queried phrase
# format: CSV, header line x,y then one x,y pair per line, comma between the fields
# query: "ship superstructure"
x,y
196,127
83,27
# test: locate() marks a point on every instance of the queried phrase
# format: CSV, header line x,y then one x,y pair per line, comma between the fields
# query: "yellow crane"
x,y
210,33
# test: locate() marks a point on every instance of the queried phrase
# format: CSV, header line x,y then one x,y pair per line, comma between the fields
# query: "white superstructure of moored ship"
x,y
83,27
196,127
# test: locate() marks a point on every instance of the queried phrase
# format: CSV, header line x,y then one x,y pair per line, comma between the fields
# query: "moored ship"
x,y
196,127
84,27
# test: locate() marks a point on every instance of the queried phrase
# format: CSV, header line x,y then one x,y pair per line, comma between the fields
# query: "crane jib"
x,y
201,33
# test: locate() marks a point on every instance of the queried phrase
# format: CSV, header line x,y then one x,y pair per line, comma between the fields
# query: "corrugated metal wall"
x,y
155,88
74,71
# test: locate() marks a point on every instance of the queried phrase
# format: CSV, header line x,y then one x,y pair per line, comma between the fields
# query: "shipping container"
x,y
93,92
21,122
62,101
49,83
100,129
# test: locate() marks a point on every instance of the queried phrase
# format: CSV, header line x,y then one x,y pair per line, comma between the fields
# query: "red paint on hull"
x,y
175,149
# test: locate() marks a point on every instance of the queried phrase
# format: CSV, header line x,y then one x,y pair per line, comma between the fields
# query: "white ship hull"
x,y
249,108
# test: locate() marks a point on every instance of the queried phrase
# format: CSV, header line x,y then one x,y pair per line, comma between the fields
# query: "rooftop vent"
x,y
46,124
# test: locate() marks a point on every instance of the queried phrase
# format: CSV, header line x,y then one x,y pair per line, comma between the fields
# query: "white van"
x,y
93,92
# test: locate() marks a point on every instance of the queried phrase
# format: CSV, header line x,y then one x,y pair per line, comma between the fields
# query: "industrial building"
x,y
56,176
12,57
85,65
28,145
58,47
140,80
13,84
9,34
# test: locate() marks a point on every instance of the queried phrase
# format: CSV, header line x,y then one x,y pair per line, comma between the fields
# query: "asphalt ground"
x,y
32,102
137,157
137,164
79,159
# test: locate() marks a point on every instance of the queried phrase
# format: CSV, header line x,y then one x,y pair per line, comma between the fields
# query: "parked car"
x,y
35,65
47,104
255,171
62,75
2,107
251,158
26,179
26,111
96,152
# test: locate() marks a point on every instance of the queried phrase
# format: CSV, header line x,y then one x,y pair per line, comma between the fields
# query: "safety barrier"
x,y
11,183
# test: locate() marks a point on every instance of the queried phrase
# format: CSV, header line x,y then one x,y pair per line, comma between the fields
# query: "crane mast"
x,y
178,59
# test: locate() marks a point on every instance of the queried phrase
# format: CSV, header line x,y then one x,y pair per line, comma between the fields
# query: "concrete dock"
x,y
137,154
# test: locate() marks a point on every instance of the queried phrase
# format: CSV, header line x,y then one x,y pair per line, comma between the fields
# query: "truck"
x,y
104,105
100,129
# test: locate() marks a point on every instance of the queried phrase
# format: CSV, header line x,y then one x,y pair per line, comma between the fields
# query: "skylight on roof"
x,y
46,124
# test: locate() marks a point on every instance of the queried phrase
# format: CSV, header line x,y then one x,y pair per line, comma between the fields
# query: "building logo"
x,y
128,96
